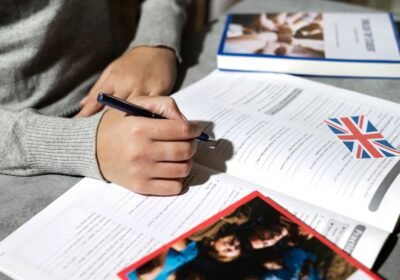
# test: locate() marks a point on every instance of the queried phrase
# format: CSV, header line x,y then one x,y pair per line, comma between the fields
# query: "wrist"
x,y
158,49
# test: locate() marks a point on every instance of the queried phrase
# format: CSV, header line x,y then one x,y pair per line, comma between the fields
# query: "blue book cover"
x,y
312,43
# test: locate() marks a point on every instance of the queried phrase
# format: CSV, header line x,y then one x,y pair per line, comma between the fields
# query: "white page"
x,y
96,229
360,36
275,136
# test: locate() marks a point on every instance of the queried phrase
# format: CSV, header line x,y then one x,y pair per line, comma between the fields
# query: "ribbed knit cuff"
x,y
161,24
63,146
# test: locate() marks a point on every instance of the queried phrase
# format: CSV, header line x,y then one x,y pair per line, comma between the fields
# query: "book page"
x,y
363,242
96,229
273,134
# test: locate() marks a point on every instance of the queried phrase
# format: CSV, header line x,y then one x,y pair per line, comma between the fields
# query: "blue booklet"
x,y
304,43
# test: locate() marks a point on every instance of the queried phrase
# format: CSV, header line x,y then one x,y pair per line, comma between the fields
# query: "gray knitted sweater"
x,y
51,52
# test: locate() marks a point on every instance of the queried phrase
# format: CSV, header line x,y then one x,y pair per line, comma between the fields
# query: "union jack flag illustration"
x,y
361,137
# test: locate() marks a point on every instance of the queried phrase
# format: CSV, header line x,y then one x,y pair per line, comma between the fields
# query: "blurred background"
x,y
387,5
203,11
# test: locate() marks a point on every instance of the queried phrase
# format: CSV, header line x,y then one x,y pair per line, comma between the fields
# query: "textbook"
x,y
312,43
273,138
254,238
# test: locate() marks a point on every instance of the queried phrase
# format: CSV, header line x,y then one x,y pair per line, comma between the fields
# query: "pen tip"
x,y
212,140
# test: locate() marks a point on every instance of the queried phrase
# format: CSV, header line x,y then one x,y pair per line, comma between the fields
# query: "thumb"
x,y
90,108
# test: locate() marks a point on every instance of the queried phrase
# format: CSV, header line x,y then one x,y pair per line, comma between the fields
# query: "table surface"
x,y
23,197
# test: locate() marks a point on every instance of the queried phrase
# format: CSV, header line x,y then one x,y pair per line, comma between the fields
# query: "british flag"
x,y
361,137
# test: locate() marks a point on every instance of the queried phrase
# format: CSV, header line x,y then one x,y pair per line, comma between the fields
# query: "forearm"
x,y
161,24
32,143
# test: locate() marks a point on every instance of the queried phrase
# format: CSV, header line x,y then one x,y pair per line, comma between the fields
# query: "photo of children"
x,y
282,34
254,241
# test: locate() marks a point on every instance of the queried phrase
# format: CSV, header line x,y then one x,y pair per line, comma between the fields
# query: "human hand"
x,y
147,156
140,71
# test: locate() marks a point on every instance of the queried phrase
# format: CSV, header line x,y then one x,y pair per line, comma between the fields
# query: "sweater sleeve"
x,y
32,143
161,23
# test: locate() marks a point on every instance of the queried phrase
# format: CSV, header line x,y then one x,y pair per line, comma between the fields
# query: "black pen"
x,y
132,109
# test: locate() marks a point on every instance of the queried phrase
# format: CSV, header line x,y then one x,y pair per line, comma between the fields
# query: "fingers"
x,y
89,104
173,151
171,170
165,106
166,130
89,109
159,187
160,178
128,157
161,89
163,178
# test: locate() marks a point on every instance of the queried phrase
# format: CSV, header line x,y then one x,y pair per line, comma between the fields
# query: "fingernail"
x,y
199,127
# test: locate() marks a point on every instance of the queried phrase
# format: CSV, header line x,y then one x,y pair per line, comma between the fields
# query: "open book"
x,y
273,139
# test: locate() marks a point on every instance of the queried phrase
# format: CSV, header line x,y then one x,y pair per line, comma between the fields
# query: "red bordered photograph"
x,y
254,238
